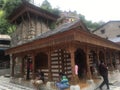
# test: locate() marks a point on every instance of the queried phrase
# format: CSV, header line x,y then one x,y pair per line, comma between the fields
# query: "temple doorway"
x,y
80,61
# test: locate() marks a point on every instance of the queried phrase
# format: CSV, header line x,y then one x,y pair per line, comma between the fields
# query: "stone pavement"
x,y
6,85
114,80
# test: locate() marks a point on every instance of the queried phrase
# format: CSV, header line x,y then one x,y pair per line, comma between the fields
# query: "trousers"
x,y
105,81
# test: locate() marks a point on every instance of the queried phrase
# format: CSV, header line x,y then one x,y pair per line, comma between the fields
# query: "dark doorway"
x,y
41,61
4,59
80,60
101,56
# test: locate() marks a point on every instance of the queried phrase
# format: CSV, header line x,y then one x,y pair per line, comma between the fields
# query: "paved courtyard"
x,y
6,85
114,80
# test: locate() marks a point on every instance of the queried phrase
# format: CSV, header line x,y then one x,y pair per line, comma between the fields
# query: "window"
x,y
103,31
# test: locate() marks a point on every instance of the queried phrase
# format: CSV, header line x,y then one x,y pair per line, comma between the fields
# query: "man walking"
x,y
104,73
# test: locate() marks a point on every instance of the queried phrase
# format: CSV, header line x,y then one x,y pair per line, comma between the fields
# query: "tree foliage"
x,y
7,6
90,25
47,6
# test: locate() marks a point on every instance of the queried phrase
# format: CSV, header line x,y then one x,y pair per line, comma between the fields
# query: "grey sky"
x,y
94,10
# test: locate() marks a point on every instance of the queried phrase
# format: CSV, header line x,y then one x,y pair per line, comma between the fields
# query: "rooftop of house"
x,y
117,39
106,24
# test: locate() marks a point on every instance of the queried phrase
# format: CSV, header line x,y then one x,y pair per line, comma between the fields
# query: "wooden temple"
x,y
35,46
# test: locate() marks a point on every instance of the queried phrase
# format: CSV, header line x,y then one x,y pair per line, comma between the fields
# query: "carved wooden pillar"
x,y
88,63
111,60
72,62
49,66
22,67
119,56
13,64
97,53
33,65
105,56
72,55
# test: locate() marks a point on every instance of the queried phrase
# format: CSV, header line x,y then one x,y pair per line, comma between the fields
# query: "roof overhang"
x,y
64,37
76,32
27,7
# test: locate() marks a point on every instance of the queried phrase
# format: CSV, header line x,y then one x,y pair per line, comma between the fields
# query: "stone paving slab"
x,y
6,85
111,88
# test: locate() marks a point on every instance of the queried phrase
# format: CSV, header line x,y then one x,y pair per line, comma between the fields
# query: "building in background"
x,y
109,30
4,44
67,17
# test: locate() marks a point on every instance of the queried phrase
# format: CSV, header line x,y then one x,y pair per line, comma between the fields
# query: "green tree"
x,y
90,25
1,3
6,7
56,11
47,6
9,5
3,23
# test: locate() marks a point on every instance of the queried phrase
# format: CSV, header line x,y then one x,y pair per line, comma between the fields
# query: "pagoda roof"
x,y
26,7
67,33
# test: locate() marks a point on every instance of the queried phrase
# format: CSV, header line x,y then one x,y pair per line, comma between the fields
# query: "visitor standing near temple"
x,y
103,70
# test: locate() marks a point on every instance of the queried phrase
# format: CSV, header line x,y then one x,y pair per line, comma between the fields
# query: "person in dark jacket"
x,y
103,70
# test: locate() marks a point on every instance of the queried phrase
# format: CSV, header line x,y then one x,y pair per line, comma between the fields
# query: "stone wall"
x,y
28,30
109,31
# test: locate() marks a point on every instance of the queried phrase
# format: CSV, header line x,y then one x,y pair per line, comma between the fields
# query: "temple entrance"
x,y
41,61
80,60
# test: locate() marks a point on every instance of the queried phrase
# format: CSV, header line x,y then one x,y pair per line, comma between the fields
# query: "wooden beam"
x,y
22,67
62,60
105,56
41,26
36,21
23,20
13,65
29,18
33,65
88,63
111,60
97,56
72,55
49,65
